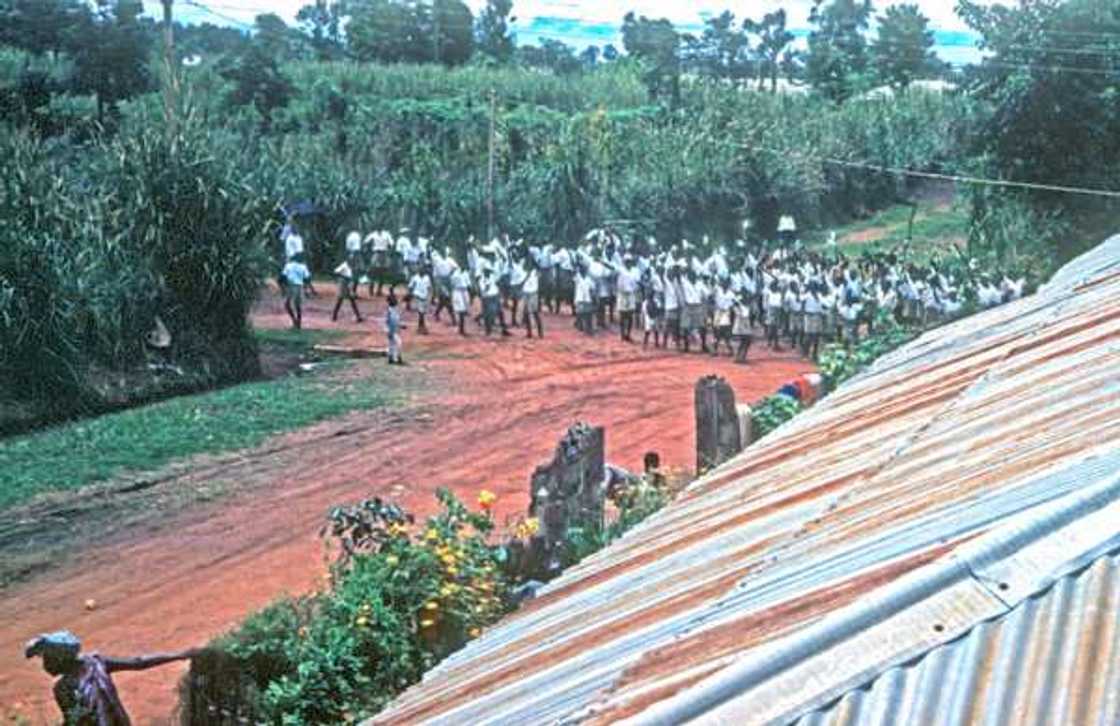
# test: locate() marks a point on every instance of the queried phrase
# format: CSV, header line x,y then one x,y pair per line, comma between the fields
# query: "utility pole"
x,y
490,172
171,79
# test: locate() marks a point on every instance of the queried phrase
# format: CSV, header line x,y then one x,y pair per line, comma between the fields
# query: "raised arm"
x,y
144,662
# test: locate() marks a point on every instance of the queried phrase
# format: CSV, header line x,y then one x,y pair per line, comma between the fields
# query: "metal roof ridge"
x,y
1010,564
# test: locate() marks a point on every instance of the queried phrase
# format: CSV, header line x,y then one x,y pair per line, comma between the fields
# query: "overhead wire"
x,y
958,178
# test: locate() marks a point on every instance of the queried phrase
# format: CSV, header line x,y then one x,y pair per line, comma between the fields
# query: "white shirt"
x,y
460,280
293,245
296,273
353,242
583,289
813,305
420,286
628,280
562,258
724,299
672,301
517,273
531,284
691,292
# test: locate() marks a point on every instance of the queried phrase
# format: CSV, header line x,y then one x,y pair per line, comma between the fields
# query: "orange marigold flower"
x,y
486,498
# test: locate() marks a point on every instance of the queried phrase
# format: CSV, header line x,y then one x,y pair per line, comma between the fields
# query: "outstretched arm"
x,y
144,662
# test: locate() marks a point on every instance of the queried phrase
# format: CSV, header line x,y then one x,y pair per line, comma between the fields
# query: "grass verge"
x,y
936,229
143,439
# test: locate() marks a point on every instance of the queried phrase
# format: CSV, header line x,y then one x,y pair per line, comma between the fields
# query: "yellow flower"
x,y
362,621
392,560
474,632
431,605
452,571
532,525
448,559
427,623
431,535
486,499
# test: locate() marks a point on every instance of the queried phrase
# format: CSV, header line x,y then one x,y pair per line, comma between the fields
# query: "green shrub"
x,y
400,598
772,412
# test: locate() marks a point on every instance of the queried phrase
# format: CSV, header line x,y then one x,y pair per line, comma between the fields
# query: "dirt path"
x,y
494,410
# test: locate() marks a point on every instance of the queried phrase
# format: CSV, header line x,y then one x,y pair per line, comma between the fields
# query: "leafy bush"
x,y
98,241
838,362
772,412
400,599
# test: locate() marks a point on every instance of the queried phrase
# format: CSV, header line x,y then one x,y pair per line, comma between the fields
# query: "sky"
x,y
596,22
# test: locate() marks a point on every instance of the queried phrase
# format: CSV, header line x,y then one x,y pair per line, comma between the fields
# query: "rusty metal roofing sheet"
x,y
1052,660
938,444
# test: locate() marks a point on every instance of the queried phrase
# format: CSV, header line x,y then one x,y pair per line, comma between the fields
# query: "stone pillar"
x,y
717,423
568,491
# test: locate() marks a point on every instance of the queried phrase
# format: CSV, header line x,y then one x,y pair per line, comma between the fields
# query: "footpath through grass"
x,y
936,229
144,439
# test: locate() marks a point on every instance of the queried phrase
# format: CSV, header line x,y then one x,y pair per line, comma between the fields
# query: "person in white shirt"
x,y
813,311
693,311
850,311
379,244
627,286
353,249
565,278
741,330
347,290
672,296
723,300
420,292
293,245
295,275
461,297
518,272
584,296
491,292
772,302
531,298
443,266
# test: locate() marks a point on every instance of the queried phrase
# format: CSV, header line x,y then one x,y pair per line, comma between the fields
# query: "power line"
x,y
958,178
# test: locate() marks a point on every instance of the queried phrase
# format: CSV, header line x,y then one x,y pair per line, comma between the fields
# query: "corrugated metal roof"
x,y
920,458
1052,660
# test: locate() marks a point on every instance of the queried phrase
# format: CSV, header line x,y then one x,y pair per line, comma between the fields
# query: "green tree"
x,y
722,51
112,52
450,25
903,50
658,46
395,31
491,31
322,20
256,75
838,58
610,53
1051,75
550,55
387,31
590,56
40,26
773,41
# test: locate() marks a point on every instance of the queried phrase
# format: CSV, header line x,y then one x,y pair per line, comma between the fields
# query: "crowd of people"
x,y
691,296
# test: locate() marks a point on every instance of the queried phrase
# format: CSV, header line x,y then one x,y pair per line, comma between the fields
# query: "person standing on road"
x,y
84,691
531,298
420,293
393,327
295,275
461,297
347,290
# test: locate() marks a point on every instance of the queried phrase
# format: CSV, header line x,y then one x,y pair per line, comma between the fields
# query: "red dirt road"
x,y
492,411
